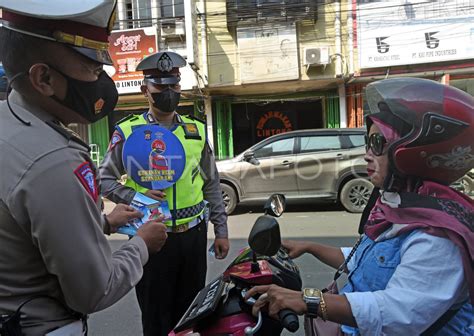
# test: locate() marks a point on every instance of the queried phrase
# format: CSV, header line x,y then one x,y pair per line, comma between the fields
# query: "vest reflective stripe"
x,y
189,187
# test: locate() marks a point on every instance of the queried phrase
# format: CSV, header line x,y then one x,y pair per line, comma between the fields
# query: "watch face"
x,y
311,294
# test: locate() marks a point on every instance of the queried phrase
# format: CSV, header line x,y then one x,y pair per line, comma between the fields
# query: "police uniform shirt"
x,y
51,229
111,169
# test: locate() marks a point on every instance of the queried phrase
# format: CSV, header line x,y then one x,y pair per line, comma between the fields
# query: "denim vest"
x,y
375,263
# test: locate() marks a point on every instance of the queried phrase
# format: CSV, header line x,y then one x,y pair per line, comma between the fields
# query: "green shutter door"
x,y
332,111
224,137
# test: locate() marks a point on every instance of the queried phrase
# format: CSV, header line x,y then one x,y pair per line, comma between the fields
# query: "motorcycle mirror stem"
x,y
254,266
265,235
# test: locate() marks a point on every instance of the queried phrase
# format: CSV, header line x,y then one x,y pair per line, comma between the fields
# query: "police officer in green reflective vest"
x,y
173,277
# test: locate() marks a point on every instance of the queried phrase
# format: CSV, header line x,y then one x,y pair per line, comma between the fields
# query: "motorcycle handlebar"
x,y
289,319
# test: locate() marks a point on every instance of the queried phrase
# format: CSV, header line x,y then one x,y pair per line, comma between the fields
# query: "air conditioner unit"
x,y
316,56
172,28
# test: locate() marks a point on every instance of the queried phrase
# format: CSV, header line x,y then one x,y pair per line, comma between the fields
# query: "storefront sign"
x,y
268,53
395,33
128,48
272,123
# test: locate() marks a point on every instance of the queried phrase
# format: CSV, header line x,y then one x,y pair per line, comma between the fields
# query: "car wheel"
x,y
355,194
230,198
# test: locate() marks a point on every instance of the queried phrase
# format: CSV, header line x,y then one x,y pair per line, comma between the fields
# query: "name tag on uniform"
x,y
72,329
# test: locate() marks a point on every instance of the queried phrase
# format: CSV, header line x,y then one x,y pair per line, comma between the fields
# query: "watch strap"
x,y
312,298
312,309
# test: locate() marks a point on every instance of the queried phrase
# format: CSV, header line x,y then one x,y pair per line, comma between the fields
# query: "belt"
x,y
180,228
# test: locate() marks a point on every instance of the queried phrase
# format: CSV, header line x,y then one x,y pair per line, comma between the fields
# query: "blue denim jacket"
x,y
374,263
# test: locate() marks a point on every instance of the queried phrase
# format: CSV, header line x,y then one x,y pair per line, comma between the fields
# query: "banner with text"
x,y
395,33
128,48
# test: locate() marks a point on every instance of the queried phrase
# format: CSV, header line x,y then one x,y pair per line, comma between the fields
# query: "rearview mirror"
x,y
275,206
265,236
250,157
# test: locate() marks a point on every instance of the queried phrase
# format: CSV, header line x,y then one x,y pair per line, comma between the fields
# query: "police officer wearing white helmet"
x,y
175,275
56,265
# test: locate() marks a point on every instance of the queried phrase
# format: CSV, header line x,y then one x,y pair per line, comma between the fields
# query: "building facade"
x,y
274,66
261,67
416,38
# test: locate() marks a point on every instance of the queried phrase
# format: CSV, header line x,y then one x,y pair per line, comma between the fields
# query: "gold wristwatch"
x,y
312,297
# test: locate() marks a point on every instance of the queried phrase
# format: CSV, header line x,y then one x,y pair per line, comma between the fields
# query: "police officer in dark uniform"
x,y
174,276
55,262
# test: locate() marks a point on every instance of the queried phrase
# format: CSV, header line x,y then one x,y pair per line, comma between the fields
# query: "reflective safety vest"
x,y
185,197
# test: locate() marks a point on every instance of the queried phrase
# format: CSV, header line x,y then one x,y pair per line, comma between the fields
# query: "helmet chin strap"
x,y
391,182
396,183
9,88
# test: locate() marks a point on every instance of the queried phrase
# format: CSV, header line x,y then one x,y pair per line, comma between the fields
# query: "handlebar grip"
x,y
289,320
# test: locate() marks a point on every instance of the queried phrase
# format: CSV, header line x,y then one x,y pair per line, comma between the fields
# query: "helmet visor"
x,y
407,98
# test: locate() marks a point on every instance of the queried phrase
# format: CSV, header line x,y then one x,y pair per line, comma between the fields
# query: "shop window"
x,y
137,13
172,8
253,122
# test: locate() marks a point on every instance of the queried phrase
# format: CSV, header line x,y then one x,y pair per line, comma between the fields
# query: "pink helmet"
x,y
435,123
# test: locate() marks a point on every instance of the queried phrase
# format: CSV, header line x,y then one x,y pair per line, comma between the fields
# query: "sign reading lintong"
x,y
128,48
272,123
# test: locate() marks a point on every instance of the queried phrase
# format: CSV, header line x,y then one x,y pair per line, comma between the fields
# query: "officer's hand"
x,y
221,246
154,234
120,215
156,194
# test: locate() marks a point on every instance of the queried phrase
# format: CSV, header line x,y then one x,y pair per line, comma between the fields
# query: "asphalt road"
x,y
327,224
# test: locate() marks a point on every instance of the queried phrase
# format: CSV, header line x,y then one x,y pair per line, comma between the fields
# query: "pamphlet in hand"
x,y
150,208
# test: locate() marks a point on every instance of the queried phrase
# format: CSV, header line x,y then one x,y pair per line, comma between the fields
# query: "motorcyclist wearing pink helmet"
x,y
411,272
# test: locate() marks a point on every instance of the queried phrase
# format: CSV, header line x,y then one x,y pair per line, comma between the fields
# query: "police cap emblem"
x,y
164,64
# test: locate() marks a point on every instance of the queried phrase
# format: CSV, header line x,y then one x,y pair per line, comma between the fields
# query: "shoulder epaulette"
x,y
67,133
195,119
129,117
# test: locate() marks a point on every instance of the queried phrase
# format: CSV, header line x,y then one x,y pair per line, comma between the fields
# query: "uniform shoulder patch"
x,y
115,139
86,176
129,117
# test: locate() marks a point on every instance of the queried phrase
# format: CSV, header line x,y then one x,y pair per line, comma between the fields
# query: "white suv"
x,y
306,165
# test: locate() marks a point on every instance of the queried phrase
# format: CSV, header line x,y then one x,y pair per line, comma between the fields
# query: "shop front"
x,y
241,122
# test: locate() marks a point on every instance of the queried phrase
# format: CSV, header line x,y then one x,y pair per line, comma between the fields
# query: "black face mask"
x,y
166,100
91,100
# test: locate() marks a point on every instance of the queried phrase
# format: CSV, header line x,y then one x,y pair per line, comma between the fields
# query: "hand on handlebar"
x,y
277,298
294,248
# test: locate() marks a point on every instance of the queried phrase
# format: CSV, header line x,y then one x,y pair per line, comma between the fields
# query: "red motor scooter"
x,y
220,308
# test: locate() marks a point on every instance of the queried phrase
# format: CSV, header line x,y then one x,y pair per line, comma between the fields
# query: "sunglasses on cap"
x,y
376,142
